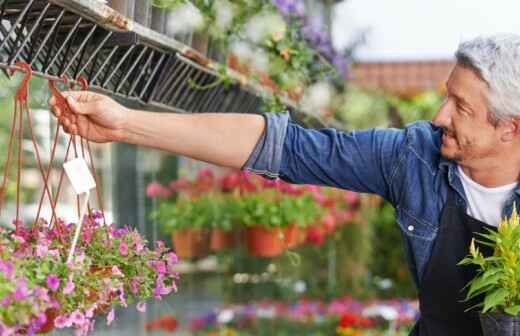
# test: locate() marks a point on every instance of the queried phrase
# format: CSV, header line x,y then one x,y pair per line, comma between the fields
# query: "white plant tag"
x,y
79,175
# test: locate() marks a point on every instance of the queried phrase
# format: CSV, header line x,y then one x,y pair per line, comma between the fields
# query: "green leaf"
x,y
481,283
513,310
495,298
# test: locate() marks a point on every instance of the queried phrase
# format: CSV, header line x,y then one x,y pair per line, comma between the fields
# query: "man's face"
x,y
469,136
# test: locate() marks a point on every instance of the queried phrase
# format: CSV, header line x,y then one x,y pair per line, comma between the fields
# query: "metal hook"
x,y
61,102
21,93
83,82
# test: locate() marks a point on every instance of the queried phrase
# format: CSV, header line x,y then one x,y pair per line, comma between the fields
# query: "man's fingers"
x,y
56,111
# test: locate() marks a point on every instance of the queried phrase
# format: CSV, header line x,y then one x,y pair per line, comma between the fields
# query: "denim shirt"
x,y
404,166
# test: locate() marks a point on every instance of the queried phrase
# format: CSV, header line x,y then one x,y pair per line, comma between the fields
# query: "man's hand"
x,y
96,117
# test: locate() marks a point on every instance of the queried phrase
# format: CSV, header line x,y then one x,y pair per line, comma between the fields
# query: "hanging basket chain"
x,y
16,135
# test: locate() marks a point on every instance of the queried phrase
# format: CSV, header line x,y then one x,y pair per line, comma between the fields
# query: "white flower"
x,y
224,14
263,25
243,51
184,19
318,97
225,316
260,61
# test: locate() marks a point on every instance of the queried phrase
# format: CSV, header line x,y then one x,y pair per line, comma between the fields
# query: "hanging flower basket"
x,y
56,274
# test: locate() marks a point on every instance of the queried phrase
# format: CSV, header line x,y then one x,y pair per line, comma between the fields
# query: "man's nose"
x,y
443,116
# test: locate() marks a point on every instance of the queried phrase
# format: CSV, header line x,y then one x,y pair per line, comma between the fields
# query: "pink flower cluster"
x,y
44,289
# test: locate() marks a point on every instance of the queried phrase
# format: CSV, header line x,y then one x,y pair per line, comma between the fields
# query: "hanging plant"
x,y
272,43
57,274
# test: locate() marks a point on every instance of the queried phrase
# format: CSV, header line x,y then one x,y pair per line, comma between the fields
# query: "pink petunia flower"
x,y
123,248
160,267
141,306
77,318
69,287
110,316
53,282
62,321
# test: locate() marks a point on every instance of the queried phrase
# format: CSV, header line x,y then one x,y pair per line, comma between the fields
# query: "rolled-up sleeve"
x,y
363,161
267,154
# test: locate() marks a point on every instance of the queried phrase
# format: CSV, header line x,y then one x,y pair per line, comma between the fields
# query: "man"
x,y
447,179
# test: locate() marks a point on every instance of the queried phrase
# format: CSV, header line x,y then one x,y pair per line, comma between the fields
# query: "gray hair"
x,y
496,59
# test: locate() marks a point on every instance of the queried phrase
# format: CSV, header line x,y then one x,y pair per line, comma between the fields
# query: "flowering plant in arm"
x,y
495,289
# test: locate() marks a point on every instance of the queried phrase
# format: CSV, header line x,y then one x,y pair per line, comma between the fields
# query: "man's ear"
x,y
511,130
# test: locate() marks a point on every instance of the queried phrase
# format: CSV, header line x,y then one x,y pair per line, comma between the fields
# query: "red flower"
x,y
329,223
354,320
167,323
155,189
314,235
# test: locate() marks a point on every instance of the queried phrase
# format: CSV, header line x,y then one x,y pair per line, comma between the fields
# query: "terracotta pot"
x,y
191,243
264,242
293,236
48,326
222,240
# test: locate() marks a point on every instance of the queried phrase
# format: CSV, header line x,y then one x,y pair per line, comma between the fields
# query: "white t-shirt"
x,y
485,204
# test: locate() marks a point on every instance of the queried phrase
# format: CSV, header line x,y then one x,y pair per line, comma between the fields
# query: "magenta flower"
x,y
77,318
53,282
116,271
171,258
123,248
7,268
62,321
160,267
155,189
141,306
69,287
21,291
134,285
110,316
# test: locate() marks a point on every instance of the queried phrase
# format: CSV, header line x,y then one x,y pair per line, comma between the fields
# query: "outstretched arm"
x,y
224,139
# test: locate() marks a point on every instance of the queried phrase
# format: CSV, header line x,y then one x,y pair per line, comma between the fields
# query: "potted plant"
x,y
224,233
497,278
299,211
189,220
261,214
41,289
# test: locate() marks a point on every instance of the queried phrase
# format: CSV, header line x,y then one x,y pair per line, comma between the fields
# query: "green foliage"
x,y
302,210
498,275
364,109
272,209
187,213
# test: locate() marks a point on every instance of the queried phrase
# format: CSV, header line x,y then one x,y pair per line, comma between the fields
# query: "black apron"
x,y
441,294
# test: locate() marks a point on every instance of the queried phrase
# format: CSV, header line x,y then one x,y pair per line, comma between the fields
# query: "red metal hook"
x,y
83,82
61,102
21,93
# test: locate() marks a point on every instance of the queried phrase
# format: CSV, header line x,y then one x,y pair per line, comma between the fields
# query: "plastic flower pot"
x,y
499,324
222,240
190,243
264,242
293,235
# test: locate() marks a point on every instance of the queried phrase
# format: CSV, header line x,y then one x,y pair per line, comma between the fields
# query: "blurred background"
x,y
346,272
